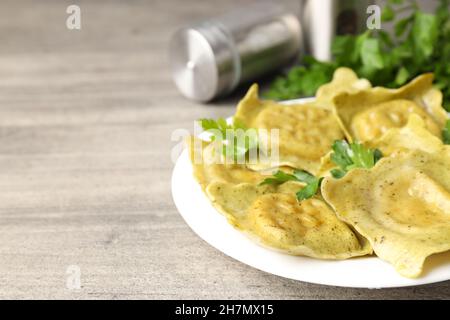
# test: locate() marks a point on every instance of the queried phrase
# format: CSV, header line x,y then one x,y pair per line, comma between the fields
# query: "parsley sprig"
x,y
446,133
230,135
312,183
346,156
350,156
420,43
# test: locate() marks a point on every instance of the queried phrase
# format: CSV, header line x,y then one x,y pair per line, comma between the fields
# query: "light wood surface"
x,y
86,119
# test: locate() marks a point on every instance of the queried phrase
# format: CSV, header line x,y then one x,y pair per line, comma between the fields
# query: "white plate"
x,y
211,226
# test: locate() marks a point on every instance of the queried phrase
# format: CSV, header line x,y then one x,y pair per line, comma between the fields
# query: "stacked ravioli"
x,y
398,210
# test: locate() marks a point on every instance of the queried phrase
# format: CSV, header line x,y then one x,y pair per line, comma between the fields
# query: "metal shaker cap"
x,y
196,55
212,58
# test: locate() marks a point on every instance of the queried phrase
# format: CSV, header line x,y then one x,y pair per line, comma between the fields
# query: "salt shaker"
x,y
211,58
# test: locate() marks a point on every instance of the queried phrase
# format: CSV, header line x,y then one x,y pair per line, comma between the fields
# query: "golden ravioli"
x,y
207,166
413,136
306,131
402,206
273,216
368,114
344,80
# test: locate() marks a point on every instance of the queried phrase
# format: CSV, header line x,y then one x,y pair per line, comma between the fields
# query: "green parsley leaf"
x,y
385,38
387,14
230,135
337,173
370,53
309,190
220,125
350,156
312,183
425,34
377,155
402,76
361,156
341,46
304,176
446,133
279,177
401,26
340,154
355,56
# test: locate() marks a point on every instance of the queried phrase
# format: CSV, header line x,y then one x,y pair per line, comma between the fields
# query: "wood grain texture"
x,y
85,141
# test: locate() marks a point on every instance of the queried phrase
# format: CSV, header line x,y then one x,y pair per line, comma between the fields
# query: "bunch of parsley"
x,y
420,43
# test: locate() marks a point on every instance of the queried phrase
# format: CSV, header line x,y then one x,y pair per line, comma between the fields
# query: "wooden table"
x,y
85,141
